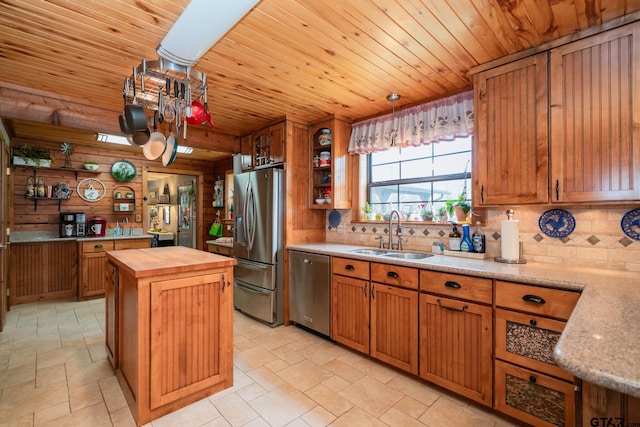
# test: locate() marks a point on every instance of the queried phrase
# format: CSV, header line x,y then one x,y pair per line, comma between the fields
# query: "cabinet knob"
x,y
349,267
533,322
98,246
532,379
392,274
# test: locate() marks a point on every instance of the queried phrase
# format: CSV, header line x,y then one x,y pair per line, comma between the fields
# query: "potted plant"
x,y
30,156
368,212
426,214
442,214
91,165
459,208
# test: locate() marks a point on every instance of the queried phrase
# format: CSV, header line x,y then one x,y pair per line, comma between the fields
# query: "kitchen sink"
x,y
370,251
407,255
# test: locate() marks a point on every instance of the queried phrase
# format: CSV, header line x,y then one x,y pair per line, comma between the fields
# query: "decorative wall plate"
x,y
630,224
334,218
557,223
123,171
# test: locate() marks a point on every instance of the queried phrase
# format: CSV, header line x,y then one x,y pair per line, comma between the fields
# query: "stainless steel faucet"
x,y
390,244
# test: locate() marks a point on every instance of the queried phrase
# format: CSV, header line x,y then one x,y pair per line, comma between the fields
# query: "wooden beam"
x,y
23,104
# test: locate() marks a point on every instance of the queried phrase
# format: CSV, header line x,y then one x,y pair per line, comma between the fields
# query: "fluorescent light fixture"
x,y
122,140
201,25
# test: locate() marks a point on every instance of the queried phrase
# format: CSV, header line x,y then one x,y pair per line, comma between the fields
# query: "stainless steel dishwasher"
x,y
310,291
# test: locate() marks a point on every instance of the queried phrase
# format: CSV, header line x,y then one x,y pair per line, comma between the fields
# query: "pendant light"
x,y
393,135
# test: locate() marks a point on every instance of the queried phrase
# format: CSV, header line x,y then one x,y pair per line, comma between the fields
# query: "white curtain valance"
x,y
443,119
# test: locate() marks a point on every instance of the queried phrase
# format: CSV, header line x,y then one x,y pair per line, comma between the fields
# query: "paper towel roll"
x,y
510,239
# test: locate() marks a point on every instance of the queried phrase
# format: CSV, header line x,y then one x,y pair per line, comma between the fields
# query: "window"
x,y
426,175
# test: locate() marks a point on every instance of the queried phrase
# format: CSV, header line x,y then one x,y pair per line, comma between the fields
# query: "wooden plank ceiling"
x,y
303,58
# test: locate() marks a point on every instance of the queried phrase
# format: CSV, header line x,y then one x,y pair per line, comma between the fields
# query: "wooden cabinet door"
x,y
595,118
93,274
189,355
111,309
350,312
511,142
278,140
394,326
602,406
456,346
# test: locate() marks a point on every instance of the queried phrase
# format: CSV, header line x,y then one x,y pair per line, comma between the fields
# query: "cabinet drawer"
x,y
529,340
221,250
532,397
100,246
537,300
132,244
350,267
406,277
457,286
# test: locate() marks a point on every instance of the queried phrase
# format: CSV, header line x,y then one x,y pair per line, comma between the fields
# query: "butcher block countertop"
x,y
599,344
166,260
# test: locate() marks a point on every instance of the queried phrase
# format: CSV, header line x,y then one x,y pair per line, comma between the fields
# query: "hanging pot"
x,y
156,144
139,137
170,150
134,115
124,127
199,115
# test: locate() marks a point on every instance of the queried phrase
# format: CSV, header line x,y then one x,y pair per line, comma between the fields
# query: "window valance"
x,y
443,119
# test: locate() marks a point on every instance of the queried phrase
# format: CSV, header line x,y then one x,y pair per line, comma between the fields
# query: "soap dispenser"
x,y
465,244
454,239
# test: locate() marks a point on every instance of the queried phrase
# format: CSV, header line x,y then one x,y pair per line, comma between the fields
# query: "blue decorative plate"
x,y
334,218
630,224
557,223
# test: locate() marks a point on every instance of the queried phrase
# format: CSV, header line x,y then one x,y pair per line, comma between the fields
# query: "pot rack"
x,y
147,86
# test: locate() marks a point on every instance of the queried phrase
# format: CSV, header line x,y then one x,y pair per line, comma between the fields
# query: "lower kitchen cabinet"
x,y
456,334
455,346
532,397
376,317
603,407
350,312
528,384
93,263
42,271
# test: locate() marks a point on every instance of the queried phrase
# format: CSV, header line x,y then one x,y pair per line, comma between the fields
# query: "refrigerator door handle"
x,y
245,210
251,216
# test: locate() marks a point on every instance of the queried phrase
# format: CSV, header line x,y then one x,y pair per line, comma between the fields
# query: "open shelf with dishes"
x,y
329,165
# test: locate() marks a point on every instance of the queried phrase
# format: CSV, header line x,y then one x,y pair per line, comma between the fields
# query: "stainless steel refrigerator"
x,y
258,244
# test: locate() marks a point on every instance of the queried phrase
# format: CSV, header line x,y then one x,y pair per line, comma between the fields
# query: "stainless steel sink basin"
x,y
369,251
407,255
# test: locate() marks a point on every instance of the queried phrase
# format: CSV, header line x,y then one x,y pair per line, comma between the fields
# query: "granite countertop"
x,y
42,237
600,342
226,242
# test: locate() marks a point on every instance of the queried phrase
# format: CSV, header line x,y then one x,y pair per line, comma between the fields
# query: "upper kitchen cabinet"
x,y
330,164
511,139
268,145
595,118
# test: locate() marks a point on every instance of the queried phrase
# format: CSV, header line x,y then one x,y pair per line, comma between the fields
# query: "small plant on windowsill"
x,y
368,212
459,208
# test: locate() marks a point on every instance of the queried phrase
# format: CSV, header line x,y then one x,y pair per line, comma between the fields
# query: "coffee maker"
x,y
72,224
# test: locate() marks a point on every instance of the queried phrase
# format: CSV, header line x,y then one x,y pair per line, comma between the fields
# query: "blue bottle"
x,y
466,245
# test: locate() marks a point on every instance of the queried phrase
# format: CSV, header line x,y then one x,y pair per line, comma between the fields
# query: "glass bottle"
x,y
454,239
478,239
41,189
465,244
29,189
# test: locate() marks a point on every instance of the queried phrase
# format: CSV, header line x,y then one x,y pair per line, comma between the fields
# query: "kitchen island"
x,y
169,329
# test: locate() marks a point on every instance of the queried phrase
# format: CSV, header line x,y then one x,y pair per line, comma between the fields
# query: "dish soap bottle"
x,y
478,239
454,239
465,244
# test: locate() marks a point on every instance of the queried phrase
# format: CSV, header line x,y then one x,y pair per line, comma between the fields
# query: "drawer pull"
x,y
533,322
392,274
534,299
452,284
349,267
459,310
98,246
532,379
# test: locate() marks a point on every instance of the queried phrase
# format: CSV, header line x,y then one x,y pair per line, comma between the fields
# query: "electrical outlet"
x,y
138,218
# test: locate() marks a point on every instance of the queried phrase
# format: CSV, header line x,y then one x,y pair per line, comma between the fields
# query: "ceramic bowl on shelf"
x,y
327,200
91,166
320,201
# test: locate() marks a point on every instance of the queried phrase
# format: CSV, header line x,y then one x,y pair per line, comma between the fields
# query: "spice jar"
x,y
29,189
41,190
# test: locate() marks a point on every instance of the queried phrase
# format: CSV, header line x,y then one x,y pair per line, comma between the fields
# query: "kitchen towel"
x,y
510,239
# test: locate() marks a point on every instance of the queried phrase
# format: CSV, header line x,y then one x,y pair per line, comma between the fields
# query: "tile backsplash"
x,y
597,240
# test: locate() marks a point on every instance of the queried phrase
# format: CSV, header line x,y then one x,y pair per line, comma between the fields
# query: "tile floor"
x,y
54,372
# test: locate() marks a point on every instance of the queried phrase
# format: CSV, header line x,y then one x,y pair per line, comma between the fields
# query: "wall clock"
x,y
123,171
